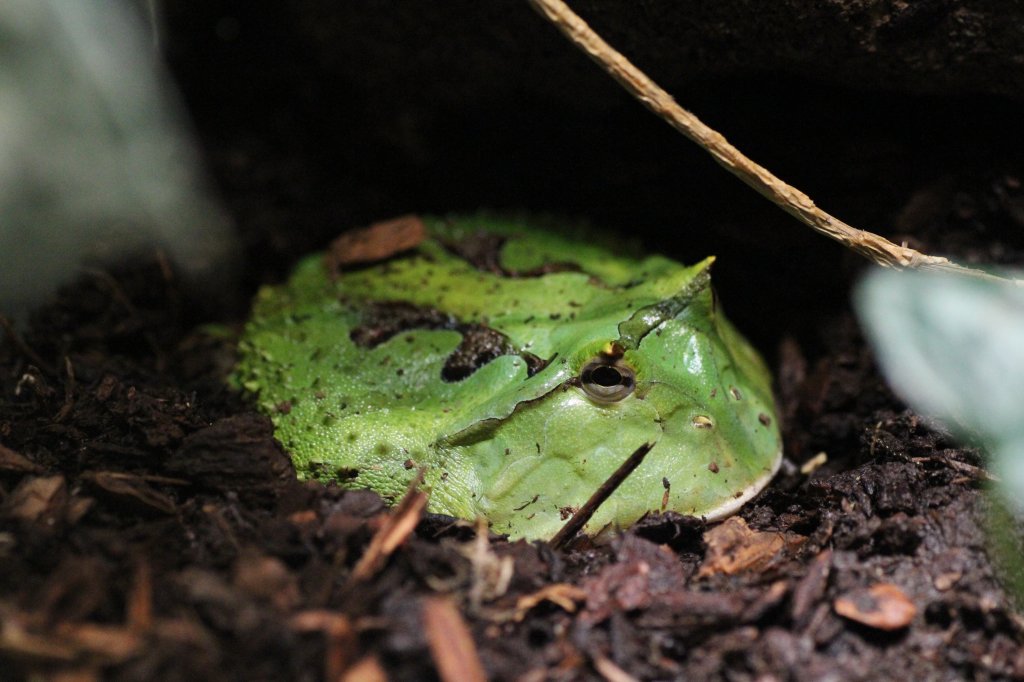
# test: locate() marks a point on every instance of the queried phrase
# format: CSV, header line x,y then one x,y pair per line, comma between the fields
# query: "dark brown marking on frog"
x,y
482,250
480,344
382,321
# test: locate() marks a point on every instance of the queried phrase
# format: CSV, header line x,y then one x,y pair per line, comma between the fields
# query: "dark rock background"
x,y
317,116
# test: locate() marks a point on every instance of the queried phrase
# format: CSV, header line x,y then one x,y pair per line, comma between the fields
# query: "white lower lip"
x,y
734,504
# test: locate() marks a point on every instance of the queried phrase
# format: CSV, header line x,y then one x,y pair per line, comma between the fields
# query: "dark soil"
x,y
151,527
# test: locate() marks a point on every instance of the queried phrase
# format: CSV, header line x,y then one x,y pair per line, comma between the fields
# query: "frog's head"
x,y
674,373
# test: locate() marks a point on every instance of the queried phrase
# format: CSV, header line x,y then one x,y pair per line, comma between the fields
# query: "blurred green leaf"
x,y
96,159
953,348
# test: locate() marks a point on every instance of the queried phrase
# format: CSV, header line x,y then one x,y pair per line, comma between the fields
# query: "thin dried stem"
x,y
787,197
603,492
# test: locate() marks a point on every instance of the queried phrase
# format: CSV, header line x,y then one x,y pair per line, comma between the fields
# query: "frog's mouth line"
x,y
718,513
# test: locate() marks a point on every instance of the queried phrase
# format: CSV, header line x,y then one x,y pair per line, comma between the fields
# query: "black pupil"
x,y
606,376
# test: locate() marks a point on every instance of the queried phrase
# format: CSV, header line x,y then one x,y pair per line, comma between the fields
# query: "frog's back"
x,y
524,247
357,370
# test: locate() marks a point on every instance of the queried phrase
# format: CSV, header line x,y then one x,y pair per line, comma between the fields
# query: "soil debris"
x,y
12,461
733,547
882,606
451,643
562,595
152,528
395,529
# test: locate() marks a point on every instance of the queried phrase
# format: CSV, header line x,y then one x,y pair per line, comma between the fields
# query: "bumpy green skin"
x,y
523,451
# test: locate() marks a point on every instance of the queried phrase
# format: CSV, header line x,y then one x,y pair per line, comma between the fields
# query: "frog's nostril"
x,y
702,422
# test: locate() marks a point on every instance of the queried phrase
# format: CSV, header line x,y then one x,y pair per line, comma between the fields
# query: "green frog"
x,y
517,365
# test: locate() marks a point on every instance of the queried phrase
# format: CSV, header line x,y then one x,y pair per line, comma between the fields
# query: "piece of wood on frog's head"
x,y
374,243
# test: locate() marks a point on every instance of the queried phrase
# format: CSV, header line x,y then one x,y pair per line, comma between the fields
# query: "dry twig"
x,y
788,198
397,527
611,672
451,642
341,643
604,491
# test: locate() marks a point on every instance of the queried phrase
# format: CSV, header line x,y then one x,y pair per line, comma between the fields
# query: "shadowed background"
x,y
318,116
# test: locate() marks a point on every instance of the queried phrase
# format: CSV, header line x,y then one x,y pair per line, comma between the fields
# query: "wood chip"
x,y
814,463
340,636
139,609
882,606
110,643
562,595
611,672
132,489
451,643
811,587
45,501
367,669
733,547
38,497
376,242
397,527
945,581
306,518
268,579
15,461
320,619
16,642
66,642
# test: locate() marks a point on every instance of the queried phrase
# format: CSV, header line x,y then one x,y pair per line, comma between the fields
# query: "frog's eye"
x,y
607,381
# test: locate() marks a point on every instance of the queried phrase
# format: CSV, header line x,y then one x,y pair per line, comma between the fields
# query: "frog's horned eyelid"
x,y
733,504
644,321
